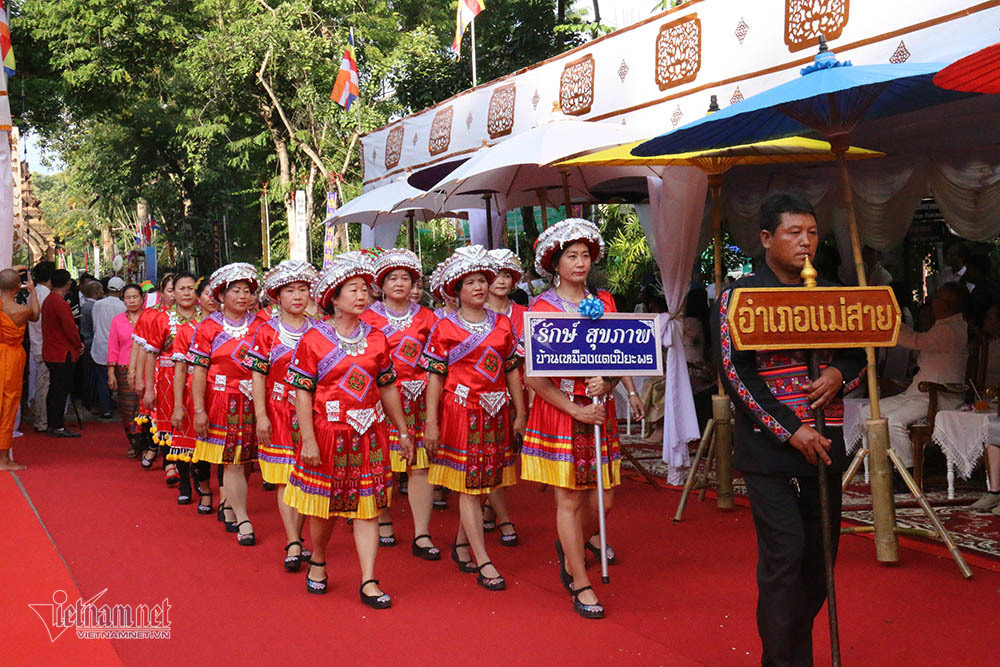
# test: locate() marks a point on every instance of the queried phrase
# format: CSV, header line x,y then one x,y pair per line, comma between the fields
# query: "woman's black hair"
x,y
132,286
201,284
167,278
184,274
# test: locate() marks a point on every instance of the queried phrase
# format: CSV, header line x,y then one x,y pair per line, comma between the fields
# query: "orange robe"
x,y
11,374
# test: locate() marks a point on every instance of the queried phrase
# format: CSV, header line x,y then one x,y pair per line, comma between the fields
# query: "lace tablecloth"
x,y
854,426
963,436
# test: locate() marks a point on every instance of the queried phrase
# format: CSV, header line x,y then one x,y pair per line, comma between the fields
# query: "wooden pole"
x,y
564,173
411,231
706,437
720,402
883,504
545,208
489,222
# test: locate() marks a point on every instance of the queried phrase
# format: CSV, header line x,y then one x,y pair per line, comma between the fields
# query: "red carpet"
x,y
682,594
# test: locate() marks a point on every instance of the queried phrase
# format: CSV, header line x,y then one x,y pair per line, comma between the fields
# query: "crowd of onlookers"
x,y
69,346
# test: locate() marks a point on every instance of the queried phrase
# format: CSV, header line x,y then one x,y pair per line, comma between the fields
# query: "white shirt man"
x,y
105,311
942,356
38,372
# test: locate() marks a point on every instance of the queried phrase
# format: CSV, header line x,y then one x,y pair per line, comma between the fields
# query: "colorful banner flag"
x,y
345,88
464,15
330,238
6,52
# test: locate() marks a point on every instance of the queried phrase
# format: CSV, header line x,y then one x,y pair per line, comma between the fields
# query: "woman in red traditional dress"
x,y
182,438
406,325
472,359
559,446
509,271
343,375
160,337
221,390
137,375
288,285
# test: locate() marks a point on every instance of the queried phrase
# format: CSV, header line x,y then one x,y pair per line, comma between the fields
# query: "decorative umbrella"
x,y
520,171
976,73
831,98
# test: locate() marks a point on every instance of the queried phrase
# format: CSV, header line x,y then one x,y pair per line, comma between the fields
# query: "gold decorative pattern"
x,y
576,86
678,52
500,121
806,20
393,147
441,131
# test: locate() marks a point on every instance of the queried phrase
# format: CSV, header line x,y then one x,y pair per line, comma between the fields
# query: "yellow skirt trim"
x,y
275,473
310,504
212,453
450,478
561,474
399,464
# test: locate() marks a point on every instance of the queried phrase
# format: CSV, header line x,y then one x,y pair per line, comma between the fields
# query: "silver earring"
x,y
557,281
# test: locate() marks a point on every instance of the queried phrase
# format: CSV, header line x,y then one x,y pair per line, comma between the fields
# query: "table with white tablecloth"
x,y
963,435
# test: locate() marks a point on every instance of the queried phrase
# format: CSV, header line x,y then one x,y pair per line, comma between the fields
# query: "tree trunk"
x,y
530,226
597,11
561,11
284,167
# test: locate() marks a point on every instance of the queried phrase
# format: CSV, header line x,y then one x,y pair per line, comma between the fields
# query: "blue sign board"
x,y
570,345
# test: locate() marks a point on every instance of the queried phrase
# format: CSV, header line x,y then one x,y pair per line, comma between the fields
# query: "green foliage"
x,y
628,254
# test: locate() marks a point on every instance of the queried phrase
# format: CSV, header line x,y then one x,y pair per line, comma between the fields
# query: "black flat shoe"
x,y
316,586
489,525
597,550
565,577
245,539
146,463
293,563
380,601
463,565
268,486
306,554
586,610
386,541
183,500
509,540
173,478
496,583
203,507
427,553
221,515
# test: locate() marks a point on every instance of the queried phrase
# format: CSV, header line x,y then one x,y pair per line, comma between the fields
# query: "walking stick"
x,y
600,500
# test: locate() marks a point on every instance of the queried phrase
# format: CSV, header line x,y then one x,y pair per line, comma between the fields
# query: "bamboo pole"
x,y
883,505
720,402
693,470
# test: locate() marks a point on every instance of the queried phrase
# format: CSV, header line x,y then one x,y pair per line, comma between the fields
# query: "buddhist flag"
x,y
467,11
345,89
6,53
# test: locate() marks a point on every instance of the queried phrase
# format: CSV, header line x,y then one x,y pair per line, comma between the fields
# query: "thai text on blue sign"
x,y
569,345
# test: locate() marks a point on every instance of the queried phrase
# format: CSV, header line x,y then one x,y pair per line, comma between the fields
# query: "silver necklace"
x,y
399,322
289,338
352,346
236,330
477,328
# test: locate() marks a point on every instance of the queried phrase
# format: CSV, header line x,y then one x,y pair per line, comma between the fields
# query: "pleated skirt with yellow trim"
x,y
474,455
232,429
277,458
353,479
559,450
415,412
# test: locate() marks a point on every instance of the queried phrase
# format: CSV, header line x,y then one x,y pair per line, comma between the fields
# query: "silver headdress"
x,y
466,260
231,273
562,234
504,259
288,272
343,267
397,258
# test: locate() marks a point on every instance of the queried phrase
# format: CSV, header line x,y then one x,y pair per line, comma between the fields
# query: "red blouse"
x,y
161,332
270,356
345,388
221,354
408,344
472,363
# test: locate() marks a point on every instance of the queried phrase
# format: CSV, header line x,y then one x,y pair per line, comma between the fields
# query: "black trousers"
x,y
61,377
791,585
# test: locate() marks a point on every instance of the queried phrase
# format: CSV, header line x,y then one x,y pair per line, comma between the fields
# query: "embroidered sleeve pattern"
x,y
302,371
201,345
257,358
297,378
435,357
734,380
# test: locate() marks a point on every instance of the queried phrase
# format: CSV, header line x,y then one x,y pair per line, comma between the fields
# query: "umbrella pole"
x,y
883,505
600,499
411,231
564,173
545,209
489,222
720,403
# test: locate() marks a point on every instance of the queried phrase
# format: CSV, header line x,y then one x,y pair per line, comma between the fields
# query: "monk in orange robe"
x,y
13,319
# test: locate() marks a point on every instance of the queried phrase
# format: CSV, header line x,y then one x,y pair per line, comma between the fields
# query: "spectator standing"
x,y
103,313
61,347
92,291
119,349
38,372
13,317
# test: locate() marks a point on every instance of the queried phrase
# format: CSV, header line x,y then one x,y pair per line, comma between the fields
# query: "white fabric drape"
x,y
383,235
477,226
672,222
968,194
